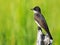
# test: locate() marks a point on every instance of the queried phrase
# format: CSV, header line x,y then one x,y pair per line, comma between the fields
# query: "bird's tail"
x,y
48,32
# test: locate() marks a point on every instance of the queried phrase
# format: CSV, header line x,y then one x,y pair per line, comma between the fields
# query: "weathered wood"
x,y
43,39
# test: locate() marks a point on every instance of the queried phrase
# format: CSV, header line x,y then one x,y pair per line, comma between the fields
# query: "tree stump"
x,y
43,39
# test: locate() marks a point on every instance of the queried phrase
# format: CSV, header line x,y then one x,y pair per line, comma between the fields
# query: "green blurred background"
x,y
17,26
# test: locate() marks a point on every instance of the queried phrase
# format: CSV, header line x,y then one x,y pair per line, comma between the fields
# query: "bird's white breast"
x,y
37,23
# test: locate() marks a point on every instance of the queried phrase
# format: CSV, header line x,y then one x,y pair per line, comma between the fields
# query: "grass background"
x,y
17,26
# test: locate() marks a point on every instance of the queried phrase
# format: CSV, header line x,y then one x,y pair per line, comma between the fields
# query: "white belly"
x,y
37,23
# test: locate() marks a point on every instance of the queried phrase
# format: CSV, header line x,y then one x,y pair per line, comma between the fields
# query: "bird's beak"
x,y
31,9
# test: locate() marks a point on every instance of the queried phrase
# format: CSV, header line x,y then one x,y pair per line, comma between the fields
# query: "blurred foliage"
x,y
17,26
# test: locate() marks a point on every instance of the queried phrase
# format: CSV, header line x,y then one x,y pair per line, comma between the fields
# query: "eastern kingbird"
x,y
40,20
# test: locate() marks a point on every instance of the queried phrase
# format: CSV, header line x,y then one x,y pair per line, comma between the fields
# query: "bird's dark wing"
x,y
41,21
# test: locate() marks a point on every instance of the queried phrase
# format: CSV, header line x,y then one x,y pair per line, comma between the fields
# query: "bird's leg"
x,y
39,28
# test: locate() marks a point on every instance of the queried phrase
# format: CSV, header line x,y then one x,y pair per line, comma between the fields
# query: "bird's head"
x,y
36,9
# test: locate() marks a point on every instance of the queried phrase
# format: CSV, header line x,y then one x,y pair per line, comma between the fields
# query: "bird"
x,y
40,20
